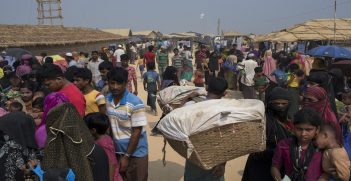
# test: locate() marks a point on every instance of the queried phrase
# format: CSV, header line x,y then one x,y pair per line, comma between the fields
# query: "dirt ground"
x,y
174,169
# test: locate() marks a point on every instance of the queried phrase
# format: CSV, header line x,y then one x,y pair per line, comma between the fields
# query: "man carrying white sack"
x,y
215,90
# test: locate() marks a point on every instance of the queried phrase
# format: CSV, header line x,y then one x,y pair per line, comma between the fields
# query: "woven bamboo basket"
x,y
218,145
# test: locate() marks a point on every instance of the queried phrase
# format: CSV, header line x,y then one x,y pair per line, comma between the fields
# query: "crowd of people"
x,y
83,116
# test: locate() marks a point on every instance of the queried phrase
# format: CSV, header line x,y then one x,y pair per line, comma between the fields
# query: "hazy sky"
x,y
246,16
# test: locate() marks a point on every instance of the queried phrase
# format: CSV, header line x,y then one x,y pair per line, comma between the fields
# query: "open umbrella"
x,y
344,65
330,51
17,52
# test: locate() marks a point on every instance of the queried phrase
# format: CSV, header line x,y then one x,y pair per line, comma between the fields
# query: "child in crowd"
x,y
15,107
98,125
335,162
104,68
141,67
261,83
38,109
298,156
301,78
280,75
292,85
95,101
345,109
151,85
132,77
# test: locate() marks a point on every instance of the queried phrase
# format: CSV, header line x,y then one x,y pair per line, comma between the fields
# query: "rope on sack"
x,y
164,152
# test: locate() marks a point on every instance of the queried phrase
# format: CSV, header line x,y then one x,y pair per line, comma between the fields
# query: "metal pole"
x,y
334,21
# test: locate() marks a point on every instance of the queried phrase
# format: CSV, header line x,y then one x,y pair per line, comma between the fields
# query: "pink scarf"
x,y
269,66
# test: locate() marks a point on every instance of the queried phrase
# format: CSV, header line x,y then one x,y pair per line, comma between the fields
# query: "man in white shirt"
x,y
93,66
118,54
247,81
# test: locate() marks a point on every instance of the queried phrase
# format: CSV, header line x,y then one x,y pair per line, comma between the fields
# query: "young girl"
x,y
151,85
336,163
38,109
298,156
98,125
27,92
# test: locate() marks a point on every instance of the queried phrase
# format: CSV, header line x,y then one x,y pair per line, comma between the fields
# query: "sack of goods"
x,y
212,132
173,97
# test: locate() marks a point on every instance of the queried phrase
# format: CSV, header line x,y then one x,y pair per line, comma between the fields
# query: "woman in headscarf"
x,y
278,127
316,98
230,72
70,145
26,65
51,100
269,65
17,145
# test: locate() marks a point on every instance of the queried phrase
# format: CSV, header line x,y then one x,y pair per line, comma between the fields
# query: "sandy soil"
x,y
174,169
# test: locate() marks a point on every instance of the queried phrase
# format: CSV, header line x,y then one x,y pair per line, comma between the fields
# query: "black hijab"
x,y
276,117
20,127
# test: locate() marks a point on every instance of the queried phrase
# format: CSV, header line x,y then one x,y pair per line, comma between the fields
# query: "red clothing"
x,y
106,143
149,57
282,158
323,107
75,97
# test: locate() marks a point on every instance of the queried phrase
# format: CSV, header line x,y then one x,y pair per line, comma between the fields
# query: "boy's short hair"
x,y
105,65
217,85
124,57
16,106
38,103
92,52
118,74
258,69
150,48
50,71
328,128
293,67
307,116
84,74
150,66
98,121
300,73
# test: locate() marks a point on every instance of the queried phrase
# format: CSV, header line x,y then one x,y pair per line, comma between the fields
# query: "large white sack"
x,y
186,121
175,94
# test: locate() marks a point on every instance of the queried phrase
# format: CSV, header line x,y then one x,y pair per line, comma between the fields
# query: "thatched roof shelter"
x,y
317,29
149,34
44,35
231,34
125,33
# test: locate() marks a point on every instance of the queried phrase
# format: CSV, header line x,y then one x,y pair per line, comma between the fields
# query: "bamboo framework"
x,y
49,12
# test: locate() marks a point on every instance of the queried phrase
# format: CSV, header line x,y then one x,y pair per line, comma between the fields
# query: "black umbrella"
x,y
17,52
344,65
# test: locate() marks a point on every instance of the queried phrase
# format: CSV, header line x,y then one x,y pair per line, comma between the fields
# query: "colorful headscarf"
x,y
52,100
